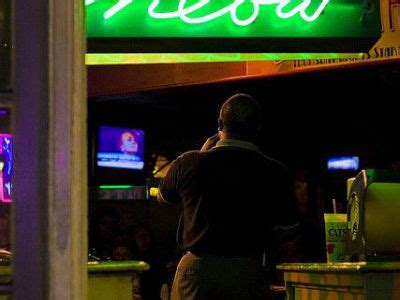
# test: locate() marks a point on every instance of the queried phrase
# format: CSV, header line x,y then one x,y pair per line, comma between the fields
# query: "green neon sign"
x,y
116,187
184,11
233,19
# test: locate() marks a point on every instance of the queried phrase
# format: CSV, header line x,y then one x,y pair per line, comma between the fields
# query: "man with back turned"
x,y
232,197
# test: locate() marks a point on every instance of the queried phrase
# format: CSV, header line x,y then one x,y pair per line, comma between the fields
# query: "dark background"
x,y
5,45
308,117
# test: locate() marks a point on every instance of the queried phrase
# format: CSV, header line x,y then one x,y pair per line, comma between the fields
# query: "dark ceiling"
x,y
348,110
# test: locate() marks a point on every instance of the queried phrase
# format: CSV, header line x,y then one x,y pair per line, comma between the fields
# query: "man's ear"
x,y
220,125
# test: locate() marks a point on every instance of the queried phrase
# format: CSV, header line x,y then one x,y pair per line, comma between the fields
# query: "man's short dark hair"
x,y
240,116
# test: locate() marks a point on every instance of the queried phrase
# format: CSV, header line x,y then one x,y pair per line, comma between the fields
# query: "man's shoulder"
x,y
188,156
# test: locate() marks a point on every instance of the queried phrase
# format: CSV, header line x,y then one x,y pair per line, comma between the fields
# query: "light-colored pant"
x,y
216,277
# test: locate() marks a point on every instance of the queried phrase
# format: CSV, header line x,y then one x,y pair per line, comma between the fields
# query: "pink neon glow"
x,y
5,175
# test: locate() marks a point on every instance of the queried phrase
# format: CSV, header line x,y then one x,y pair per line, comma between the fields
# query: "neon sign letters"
x,y
231,26
185,10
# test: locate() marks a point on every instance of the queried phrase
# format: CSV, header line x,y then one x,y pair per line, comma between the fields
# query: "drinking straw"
x,y
334,205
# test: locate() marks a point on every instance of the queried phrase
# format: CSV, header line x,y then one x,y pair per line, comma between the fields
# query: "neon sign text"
x,y
184,10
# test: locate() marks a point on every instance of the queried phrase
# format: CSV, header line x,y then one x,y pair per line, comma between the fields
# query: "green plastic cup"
x,y
335,236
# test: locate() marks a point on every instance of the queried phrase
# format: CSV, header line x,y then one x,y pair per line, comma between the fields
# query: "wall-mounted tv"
x,y
120,147
344,163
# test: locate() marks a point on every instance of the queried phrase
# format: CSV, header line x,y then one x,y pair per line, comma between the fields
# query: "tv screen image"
x,y
344,163
6,167
120,147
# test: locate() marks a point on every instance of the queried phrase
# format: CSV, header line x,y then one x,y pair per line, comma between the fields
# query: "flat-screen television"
x,y
120,147
351,163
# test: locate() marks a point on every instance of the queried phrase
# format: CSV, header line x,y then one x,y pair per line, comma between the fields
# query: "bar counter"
x,y
364,280
107,280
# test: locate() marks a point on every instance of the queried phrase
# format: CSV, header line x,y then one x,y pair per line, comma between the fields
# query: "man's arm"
x,y
168,186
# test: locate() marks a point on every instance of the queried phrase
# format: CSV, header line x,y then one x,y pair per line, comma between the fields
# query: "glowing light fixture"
x,y
153,192
116,187
153,58
344,163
